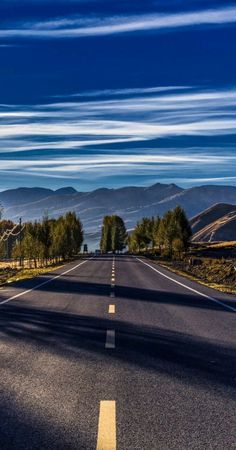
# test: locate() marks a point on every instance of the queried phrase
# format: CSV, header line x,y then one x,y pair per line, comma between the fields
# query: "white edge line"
x,y
42,284
189,288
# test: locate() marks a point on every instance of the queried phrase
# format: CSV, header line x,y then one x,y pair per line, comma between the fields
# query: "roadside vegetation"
x,y
50,241
168,236
39,246
167,241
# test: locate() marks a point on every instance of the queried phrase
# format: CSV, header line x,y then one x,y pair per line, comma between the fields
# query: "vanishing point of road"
x,y
116,352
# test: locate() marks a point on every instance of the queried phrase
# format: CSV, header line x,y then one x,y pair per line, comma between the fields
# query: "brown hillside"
x,y
222,229
210,215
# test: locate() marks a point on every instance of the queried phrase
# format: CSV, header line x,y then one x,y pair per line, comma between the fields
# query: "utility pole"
x,y
20,238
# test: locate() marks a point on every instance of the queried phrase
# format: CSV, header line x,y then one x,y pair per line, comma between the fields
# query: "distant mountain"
x,y
210,215
65,191
197,199
23,195
132,203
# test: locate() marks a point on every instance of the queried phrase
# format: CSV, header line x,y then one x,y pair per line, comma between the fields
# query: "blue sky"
x,y
104,93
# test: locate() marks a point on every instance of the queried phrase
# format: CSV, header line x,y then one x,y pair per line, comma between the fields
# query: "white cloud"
x,y
208,180
115,128
68,125
72,27
121,92
85,163
62,132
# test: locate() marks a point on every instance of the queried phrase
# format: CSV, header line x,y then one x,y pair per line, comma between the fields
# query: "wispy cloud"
x,y
81,137
154,114
116,128
72,165
123,92
84,26
7,45
101,167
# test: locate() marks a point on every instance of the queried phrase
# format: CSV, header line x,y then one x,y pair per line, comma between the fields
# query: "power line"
x,y
9,233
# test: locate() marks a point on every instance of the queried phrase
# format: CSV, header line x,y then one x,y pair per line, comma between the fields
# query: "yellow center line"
x,y
112,309
106,439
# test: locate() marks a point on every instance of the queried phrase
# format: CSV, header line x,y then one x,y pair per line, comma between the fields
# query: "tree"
x,y
166,233
32,245
114,235
135,240
105,243
183,229
144,234
178,247
118,234
73,232
155,231
45,236
141,234
67,236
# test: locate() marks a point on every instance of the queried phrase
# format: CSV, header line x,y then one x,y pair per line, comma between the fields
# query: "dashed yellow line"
x,y
106,439
112,309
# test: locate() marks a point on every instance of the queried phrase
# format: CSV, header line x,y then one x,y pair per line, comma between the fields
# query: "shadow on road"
x,y
70,284
191,360
22,429
157,349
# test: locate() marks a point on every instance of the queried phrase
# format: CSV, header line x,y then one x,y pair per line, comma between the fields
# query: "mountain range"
x,y
132,203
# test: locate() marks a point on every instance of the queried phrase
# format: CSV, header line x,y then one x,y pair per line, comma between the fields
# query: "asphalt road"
x,y
116,353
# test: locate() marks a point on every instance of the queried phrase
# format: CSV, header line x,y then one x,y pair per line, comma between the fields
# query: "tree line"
x,y
50,240
170,235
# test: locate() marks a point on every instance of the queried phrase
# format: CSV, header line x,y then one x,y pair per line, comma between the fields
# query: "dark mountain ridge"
x,y
27,195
